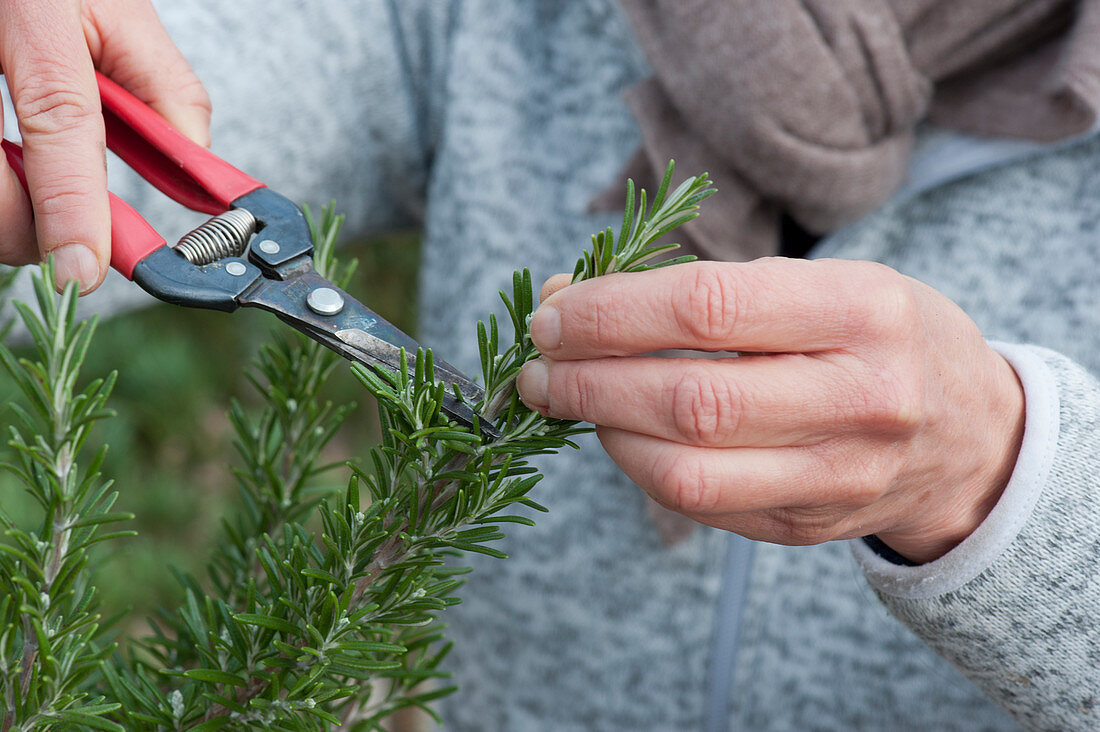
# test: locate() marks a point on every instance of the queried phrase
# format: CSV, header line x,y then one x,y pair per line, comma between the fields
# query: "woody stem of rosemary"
x,y
60,523
389,552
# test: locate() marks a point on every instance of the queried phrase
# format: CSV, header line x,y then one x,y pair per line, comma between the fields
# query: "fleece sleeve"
x,y
1015,606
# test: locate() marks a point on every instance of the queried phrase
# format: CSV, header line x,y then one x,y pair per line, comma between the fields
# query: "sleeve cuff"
x,y
971,557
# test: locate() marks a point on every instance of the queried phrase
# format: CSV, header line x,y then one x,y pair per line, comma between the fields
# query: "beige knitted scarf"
x,y
808,107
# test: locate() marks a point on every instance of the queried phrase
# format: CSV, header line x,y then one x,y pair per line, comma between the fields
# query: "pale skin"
x,y
48,51
869,403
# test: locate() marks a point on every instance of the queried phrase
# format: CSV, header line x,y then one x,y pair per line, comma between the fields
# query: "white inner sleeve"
x,y
942,156
992,537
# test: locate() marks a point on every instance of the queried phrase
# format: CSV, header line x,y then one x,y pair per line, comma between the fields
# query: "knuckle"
x,y
47,109
580,394
885,304
596,321
803,533
857,478
705,409
709,306
683,486
802,527
893,401
62,193
863,484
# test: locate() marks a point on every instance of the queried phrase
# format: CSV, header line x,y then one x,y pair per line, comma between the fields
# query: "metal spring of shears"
x,y
225,235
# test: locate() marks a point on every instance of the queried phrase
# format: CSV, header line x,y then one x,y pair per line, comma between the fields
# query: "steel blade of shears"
x,y
365,348
359,334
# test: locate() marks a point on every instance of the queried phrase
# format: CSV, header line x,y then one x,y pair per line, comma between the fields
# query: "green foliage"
x,y
50,634
7,279
321,603
643,227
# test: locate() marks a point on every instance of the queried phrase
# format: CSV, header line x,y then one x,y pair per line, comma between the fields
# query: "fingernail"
x,y
546,328
534,385
75,262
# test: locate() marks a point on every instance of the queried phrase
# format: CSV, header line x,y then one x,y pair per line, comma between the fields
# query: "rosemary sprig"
x,y
642,228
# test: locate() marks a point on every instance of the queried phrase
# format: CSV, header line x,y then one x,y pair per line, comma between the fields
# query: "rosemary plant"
x,y
50,645
321,603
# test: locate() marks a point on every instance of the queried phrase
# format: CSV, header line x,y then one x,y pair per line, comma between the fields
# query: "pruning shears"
x,y
256,251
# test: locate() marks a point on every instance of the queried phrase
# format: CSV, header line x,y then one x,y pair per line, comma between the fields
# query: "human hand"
x,y
48,51
870,403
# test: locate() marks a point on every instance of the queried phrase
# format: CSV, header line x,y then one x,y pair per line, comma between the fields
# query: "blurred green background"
x,y
171,450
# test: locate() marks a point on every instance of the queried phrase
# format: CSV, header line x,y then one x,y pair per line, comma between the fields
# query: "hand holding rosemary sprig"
x,y
863,401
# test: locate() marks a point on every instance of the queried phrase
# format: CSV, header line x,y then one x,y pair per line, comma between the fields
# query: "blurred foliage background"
x,y
171,451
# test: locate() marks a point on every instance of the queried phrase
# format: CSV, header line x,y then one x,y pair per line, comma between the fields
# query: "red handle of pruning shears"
x,y
132,238
183,170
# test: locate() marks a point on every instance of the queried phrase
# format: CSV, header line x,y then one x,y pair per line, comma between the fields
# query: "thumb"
x,y
49,73
554,284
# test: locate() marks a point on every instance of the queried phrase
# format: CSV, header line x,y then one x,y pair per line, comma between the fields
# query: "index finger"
x,y
768,305
52,82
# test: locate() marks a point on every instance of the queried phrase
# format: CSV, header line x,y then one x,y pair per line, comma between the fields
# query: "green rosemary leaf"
x,y
214,676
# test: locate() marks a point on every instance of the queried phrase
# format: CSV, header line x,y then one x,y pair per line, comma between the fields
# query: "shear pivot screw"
x,y
236,269
267,246
325,301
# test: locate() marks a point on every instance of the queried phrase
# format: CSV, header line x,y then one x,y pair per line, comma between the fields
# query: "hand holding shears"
x,y
256,251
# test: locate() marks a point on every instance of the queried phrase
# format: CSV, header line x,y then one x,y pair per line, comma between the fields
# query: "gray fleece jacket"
x,y
492,125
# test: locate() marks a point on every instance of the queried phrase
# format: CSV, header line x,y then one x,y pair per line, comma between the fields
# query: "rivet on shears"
x,y
236,269
325,301
267,246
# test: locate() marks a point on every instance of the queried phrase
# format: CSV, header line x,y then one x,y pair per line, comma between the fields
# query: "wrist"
x,y
961,511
